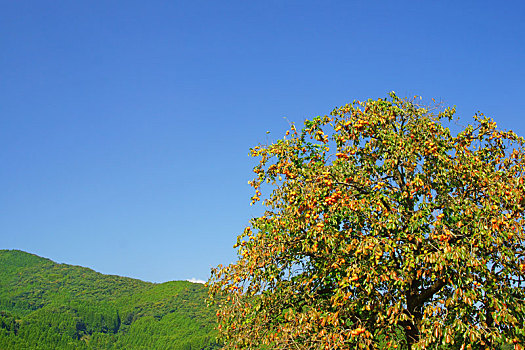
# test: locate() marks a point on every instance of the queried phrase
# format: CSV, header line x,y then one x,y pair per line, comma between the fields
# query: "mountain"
x,y
45,305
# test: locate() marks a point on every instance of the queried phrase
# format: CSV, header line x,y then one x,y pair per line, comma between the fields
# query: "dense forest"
x,y
45,305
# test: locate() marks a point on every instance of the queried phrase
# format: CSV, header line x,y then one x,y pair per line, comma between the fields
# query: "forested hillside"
x,y
45,305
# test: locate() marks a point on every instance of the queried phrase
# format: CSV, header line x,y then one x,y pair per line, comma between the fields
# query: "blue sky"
x,y
125,125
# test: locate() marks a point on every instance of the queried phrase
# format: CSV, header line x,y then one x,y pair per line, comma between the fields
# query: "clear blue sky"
x,y
125,125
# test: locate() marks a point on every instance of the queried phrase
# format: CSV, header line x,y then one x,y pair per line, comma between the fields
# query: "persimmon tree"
x,y
383,229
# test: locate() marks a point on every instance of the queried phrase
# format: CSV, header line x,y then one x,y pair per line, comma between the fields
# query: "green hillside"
x,y
45,305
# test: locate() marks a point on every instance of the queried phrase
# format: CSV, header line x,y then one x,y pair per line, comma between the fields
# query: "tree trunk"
x,y
411,327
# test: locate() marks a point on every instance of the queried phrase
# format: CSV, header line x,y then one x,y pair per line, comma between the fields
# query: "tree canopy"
x,y
383,228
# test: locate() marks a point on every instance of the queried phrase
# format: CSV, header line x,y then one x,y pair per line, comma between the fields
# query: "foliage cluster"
x,y
382,229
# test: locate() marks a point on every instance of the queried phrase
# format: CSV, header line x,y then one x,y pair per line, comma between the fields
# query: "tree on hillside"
x,y
383,229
